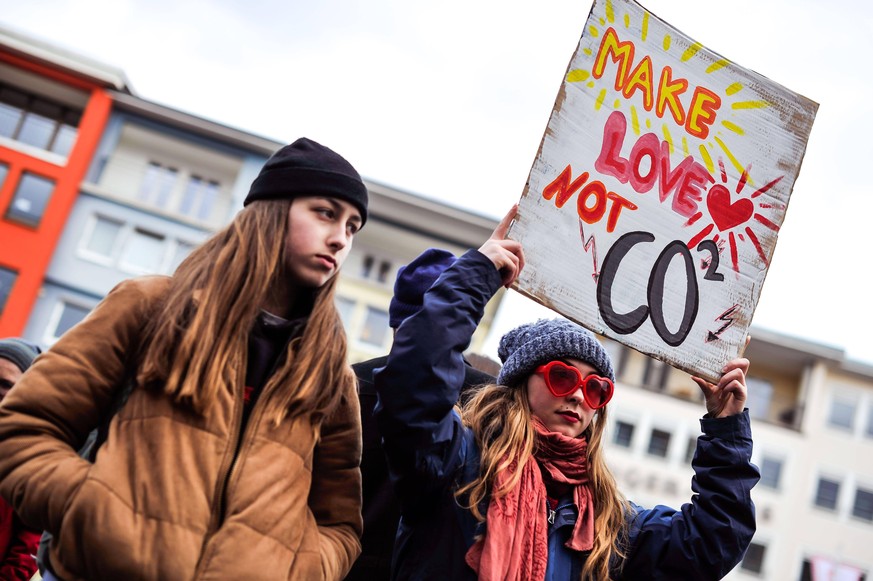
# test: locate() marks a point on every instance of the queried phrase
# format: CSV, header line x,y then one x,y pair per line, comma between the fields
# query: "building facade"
x,y
98,184
812,424
54,107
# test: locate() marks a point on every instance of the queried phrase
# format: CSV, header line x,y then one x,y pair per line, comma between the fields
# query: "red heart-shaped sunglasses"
x,y
563,379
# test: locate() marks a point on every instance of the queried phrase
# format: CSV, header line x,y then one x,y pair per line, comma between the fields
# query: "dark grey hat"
x,y
18,351
528,346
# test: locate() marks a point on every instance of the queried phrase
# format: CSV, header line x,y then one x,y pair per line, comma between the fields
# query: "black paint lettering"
x,y
656,293
621,323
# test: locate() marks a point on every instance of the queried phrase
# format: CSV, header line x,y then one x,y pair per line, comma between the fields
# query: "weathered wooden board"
x,y
654,203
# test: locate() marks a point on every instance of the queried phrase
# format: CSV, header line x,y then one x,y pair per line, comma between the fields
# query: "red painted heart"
x,y
725,214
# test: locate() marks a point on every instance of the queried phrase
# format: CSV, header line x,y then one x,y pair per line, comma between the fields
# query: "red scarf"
x,y
515,545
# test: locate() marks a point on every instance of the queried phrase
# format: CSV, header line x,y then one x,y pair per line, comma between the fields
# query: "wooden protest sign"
x,y
654,203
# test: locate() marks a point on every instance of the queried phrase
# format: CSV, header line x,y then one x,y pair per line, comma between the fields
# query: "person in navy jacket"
x,y
514,485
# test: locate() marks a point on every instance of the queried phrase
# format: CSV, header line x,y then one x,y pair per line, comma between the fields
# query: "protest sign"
x,y
654,203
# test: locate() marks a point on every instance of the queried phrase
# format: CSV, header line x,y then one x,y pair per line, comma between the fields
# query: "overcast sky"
x,y
449,100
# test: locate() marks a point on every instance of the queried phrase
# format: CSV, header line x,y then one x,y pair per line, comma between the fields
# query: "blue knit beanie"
x,y
18,351
413,280
528,346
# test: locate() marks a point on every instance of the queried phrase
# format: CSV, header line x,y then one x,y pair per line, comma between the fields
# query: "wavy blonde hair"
x,y
501,421
196,346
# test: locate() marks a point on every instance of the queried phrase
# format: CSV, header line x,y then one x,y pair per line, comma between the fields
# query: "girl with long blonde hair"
x,y
236,453
514,485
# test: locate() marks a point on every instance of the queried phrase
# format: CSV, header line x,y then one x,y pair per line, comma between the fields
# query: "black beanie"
x,y
307,168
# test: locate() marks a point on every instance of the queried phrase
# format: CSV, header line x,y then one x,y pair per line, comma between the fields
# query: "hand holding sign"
x,y
506,255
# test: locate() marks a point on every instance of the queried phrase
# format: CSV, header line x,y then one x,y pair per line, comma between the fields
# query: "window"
x,y
345,307
376,327
180,253
753,561
863,506
4,171
659,443
825,568
760,393
384,269
7,279
100,236
655,374
30,199
65,317
771,472
199,198
842,413
617,355
38,125
869,428
827,493
367,266
624,434
157,184
690,449
37,122
144,252
369,270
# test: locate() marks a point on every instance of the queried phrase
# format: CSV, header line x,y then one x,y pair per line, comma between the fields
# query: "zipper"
x,y
219,504
550,513
228,471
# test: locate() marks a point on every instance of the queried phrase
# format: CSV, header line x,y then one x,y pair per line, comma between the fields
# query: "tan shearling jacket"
x,y
173,494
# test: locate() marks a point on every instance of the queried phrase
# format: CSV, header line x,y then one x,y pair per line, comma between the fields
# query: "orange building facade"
x,y
51,119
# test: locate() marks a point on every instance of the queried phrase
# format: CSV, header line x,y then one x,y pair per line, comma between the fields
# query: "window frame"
x,y
364,325
619,422
761,559
839,491
14,274
33,105
852,401
134,268
82,249
772,459
667,447
867,490
49,336
22,219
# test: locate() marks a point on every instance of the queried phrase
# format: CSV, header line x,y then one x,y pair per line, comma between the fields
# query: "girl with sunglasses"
x,y
515,485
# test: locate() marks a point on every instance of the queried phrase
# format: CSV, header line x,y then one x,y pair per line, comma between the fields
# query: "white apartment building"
x,y
812,426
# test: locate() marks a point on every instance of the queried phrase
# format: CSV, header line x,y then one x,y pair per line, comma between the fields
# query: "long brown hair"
x,y
501,421
197,341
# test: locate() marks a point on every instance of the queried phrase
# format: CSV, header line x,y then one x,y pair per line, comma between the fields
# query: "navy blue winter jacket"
x,y
431,454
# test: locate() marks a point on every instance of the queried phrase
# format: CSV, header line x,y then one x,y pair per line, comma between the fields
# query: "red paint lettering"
x,y
649,163
617,204
593,202
562,186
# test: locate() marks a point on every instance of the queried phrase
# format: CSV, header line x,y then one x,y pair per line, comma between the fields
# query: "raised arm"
x,y
419,386
708,536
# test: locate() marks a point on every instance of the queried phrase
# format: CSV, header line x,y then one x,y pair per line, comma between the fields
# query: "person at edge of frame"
x,y
18,542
